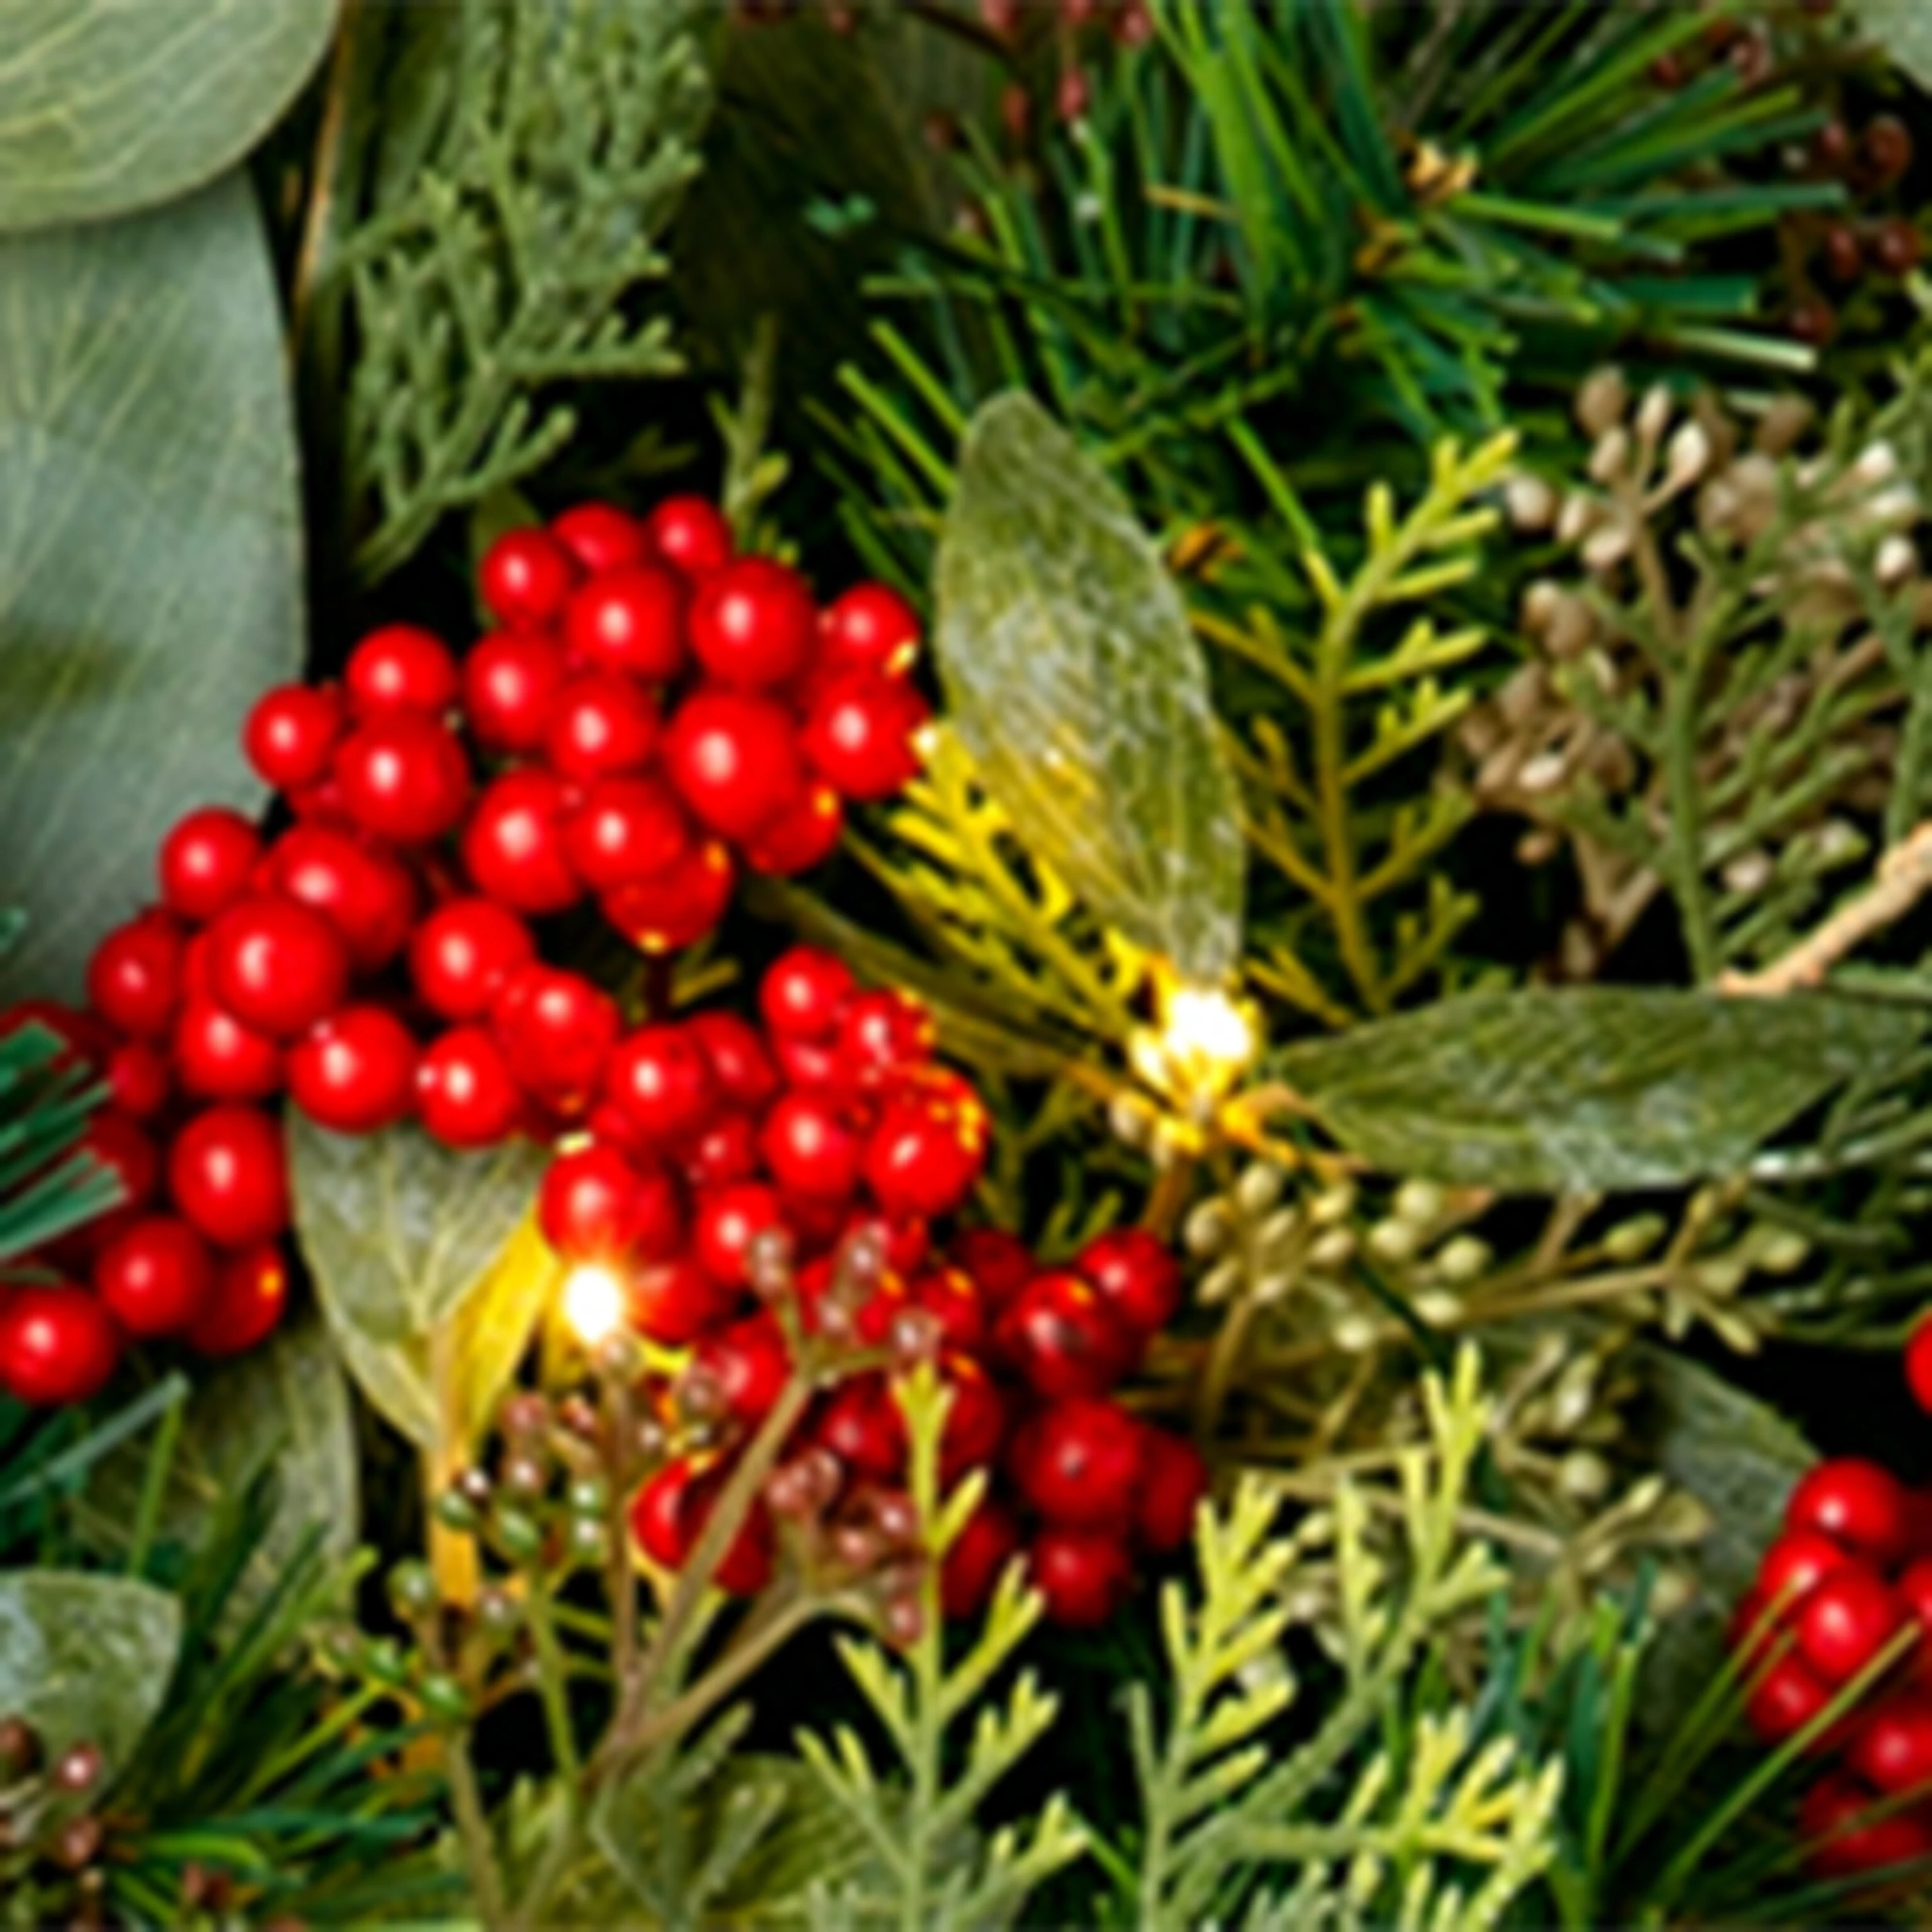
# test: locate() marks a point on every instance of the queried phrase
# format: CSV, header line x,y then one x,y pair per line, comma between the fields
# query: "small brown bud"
x,y
79,1767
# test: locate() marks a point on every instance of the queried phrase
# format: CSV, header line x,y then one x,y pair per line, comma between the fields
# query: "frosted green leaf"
x,y
1902,31
1073,678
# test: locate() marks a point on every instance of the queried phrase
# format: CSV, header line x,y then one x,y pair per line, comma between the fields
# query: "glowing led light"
x,y
593,1303
1198,1051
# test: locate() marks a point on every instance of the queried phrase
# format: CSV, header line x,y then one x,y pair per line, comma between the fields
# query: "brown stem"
x,y
319,218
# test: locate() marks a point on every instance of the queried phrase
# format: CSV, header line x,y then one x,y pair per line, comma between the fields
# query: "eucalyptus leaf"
x,y
1073,678
86,1659
402,1236
110,105
1588,1087
1902,30
149,559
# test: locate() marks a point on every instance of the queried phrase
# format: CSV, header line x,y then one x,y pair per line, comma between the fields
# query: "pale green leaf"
x,y
1902,31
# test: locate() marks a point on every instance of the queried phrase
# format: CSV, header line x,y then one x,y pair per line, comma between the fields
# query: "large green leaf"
x,y
1590,1088
405,1240
85,1658
1902,31
1074,680
110,106
149,559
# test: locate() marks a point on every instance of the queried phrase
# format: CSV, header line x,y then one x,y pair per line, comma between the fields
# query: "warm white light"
x,y
593,1303
1203,1024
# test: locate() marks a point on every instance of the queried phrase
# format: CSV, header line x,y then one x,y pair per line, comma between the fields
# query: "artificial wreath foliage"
x,y
971,965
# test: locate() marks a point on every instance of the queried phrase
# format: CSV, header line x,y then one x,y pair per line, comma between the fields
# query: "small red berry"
x,y
1058,1335
206,862
366,893
881,1033
57,1345
134,980
514,846
291,735
600,536
976,1420
156,1278
403,777
952,1299
624,831
402,668
674,1302
734,760
556,1029
803,993
1918,1363
631,623
249,1293
1174,1479
1137,1277
1844,1622
219,1058
1000,1263
277,965
80,1039
725,1222
870,628
1798,1561
810,1151
861,1426
1892,1748
1855,1503
736,1056
602,725
986,1543
923,1159
1789,1696
464,953
465,1093
355,1072
138,1082
1844,1840
1082,1578
595,1204
859,734
797,840
511,684
1844,258
659,1082
689,533
668,1516
753,622
228,1175
526,576
727,1150
750,1363
1078,1462
119,1145
678,905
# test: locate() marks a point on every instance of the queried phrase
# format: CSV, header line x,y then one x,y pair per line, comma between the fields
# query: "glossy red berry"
x,y
626,831
1000,1263
753,623
156,1278
278,966
601,725
228,1175
1798,1561
734,760
1078,1462
750,1364
600,536
138,1082
810,1151
1918,1363
403,777
1892,1749
1855,1503
128,1153
674,1302
689,533
798,840
513,847
245,1306
219,1058
556,1029
57,1345
725,1221
736,1055
986,1543
1174,1480
727,1150
1137,1277
402,668
668,1516
1789,1696
975,1419
859,734
1846,1620
465,1096
207,861
952,1299
881,1033
1844,1840
510,685
463,955
678,905
629,623
366,893
659,1081
525,578
1059,1336
870,628
134,980
1083,1578
923,1157
587,1204
291,735
803,992
355,1071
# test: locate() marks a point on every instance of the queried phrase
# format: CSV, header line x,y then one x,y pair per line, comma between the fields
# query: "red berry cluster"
x,y
654,711
831,1124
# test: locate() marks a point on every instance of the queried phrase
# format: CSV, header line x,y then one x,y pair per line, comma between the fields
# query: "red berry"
x,y
859,734
526,576
80,1039
277,965
1893,1748
1918,1363
511,684
984,1546
600,536
1887,147
1844,258
1842,1840
625,831
803,992
1795,1563
218,1058
1079,1462
1058,1335
1812,320
593,1205
1844,1622
810,1151
156,1278
669,1516
465,1093
727,1150
674,1302
725,1222
1174,1479
796,840
659,1082
57,1345
356,1070
403,777
291,735
679,904
1082,1578
1788,1697
1855,1503
602,725
1000,1263
134,980
753,622
737,1057
514,846
138,1082
861,1426
689,533
976,1420
242,1311
228,1175
556,1029
952,1298
206,862
464,953
881,1034
629,622
750,1363
401,668
734,760
923,1156
127,1152
870,628
1138,1279
366,893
